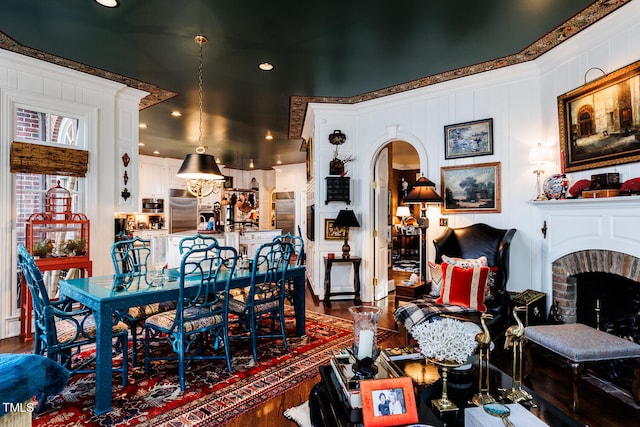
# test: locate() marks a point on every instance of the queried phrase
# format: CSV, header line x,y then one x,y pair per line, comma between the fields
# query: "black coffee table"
x,y
329,407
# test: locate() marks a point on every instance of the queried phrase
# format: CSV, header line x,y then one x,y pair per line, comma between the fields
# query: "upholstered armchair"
x,y
471,242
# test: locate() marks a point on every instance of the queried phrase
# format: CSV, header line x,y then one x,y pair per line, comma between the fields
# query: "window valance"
x,y
46,159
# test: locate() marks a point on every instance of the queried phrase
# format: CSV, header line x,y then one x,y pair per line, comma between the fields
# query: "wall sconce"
x,y
538,156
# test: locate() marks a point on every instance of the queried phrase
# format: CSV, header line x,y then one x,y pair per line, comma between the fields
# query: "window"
x,y
30,188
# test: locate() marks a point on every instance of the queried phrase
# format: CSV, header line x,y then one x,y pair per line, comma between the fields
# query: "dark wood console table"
x,y
328,263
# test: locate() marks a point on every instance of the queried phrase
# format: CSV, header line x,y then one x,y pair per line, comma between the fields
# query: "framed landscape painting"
x,y
471,188
600,121
468,139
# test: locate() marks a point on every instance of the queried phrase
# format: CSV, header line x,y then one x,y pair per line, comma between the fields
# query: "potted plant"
x,y
43,249
75,247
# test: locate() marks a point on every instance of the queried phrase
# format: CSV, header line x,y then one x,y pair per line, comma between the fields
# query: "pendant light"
x,y
200,170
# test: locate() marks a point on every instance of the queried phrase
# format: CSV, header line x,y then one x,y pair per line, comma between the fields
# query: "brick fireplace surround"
x,y
588,261
586,236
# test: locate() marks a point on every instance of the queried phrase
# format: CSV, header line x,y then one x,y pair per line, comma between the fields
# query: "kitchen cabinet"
x,y
152,178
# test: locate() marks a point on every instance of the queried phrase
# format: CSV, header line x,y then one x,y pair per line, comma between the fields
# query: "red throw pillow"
x,y
464,286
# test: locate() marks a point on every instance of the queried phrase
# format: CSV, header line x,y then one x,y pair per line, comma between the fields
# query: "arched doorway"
x,y
396,167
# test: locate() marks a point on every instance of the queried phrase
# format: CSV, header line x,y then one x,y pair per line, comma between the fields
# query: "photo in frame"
x,y
388,402
471,188
331,232
599,122
468,139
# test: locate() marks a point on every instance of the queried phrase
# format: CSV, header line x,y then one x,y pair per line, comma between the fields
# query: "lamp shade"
x,y
200,166
346,218
403,211
423,191
539,154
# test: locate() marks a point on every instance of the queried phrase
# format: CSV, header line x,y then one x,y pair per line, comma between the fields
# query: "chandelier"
x,y
199,170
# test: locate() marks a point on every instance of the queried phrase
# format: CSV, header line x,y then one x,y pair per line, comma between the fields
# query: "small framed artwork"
x,y
331,232
228,182
468,139
388,402
471,188
599,121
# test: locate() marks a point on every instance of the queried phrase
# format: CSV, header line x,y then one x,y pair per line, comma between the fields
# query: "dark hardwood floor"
x,y
601,404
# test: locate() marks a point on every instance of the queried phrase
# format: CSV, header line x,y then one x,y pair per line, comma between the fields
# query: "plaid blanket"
x,y
422,310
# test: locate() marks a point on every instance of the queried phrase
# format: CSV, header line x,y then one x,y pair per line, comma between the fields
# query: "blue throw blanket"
x,y
26,375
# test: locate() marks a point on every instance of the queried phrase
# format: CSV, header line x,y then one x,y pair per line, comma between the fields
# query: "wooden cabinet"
x,y
338,189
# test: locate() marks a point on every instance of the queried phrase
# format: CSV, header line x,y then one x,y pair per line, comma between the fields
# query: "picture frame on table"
x,y
469,139
331,232
598,121
388,402
471,188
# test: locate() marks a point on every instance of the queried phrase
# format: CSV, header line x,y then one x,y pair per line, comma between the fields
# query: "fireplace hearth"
x,y
600,288
610,303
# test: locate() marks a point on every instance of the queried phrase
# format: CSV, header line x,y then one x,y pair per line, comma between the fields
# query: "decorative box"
x,y
596,194
605,181
536,303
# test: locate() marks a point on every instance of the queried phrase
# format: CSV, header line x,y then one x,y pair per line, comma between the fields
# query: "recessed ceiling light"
x,y
140,144
156,152
268,135
142,125
266,66
108,3
176,114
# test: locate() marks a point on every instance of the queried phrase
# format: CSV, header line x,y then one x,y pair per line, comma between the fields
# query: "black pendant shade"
x,y
200,166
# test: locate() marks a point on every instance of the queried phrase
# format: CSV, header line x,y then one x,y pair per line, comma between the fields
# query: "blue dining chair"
x,y
130,259
265,297
193,242
297,259
61,328
201,317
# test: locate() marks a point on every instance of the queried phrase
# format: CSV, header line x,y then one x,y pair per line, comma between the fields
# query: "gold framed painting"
x,y
599,121
471,188
332,232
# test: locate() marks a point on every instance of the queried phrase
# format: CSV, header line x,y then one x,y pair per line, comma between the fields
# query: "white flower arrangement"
x,y
446,340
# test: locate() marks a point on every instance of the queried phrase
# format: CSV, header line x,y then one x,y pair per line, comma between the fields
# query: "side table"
x,y
409,292
328,263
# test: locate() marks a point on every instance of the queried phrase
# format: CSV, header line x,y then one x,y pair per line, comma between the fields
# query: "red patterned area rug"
x,y
213,396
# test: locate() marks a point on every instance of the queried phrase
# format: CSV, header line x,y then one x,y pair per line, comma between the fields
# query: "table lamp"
x,y
423,192
403,212
346,219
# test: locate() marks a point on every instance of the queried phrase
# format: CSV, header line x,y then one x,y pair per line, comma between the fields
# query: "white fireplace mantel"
x,y
574,225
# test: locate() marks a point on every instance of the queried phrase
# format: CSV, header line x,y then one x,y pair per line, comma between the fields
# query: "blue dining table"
x,y
106,294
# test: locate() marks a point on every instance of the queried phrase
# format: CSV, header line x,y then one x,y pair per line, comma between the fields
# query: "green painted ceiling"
x,y
319,49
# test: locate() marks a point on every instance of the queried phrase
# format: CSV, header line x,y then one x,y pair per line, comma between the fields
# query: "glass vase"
x,y
365,331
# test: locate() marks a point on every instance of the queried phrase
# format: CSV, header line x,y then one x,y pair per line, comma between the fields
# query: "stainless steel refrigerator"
x,y
183,211
286,212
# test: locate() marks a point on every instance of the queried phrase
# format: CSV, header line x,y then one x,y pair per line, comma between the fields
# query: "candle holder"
x,y
365,331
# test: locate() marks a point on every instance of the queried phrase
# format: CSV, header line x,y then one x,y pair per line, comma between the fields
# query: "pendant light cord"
x,y
200,39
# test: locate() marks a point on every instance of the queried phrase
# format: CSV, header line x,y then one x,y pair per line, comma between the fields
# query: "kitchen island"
x,y
247,242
